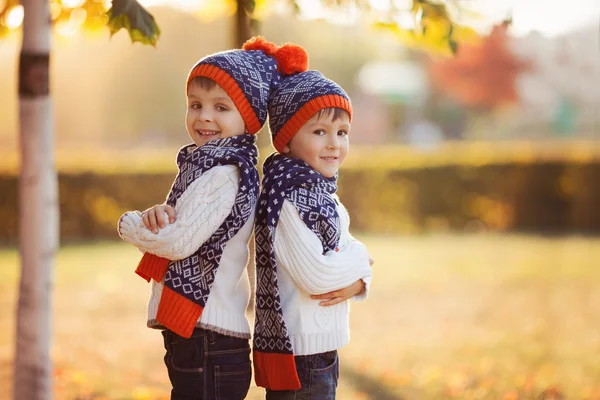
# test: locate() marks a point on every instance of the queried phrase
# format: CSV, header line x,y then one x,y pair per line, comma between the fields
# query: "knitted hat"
x,y
246,75
297,98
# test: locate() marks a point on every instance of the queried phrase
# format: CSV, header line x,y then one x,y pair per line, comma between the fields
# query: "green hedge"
x,y
553,197
545,198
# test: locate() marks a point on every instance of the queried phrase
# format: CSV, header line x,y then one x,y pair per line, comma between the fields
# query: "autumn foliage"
x,y
482,76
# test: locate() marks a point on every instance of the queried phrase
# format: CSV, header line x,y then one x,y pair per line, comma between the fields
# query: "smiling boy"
x,y
308,264
196,244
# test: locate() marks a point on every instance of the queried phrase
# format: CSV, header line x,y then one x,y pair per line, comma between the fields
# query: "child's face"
x,y
322,143
211,115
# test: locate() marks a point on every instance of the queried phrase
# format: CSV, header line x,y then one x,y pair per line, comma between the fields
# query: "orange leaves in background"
x,y
481,76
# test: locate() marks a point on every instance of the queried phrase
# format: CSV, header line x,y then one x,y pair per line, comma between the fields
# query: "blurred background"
x,y
473,178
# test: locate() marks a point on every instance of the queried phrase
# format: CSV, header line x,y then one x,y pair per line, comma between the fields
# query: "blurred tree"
x,y
38,185
482,76
38,192
433,28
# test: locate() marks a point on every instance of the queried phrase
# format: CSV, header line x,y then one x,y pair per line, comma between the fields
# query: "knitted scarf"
x,y
311,193
187,282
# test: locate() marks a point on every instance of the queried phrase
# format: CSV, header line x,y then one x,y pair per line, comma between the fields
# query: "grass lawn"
x,y
465,317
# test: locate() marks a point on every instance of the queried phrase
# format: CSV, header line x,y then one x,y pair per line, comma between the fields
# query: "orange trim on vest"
x,y
178,313
293,125
275,371
152,267
233,90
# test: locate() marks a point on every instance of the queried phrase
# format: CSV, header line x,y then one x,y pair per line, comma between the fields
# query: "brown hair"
x,y
204,82
327,113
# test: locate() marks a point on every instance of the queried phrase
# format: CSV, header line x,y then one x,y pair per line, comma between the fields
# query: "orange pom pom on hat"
x,y
247,75
299,95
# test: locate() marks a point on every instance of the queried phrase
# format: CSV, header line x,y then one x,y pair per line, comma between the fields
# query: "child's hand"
x,y
154,217
127,225
337,296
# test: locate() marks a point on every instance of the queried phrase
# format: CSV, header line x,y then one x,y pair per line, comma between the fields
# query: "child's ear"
x,y
286,149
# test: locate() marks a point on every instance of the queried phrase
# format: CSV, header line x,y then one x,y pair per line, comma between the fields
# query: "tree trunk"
x,y
38,214
243,30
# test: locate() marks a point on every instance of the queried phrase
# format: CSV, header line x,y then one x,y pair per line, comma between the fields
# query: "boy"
x,y
196,245
308,264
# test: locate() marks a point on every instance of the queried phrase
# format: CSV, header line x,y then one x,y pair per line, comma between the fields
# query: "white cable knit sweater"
x,y
200,211
302,270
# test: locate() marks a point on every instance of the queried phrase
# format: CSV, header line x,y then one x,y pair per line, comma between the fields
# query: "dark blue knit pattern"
x,y
254,72
311,193
295,91
193,276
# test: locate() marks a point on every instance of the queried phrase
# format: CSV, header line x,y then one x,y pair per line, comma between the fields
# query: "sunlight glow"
x,y
66,28
14,18
78,16
548,18
402,4
539,15
380,5
310,9
314,9
191,5
149,3
55,10
406,21
72,3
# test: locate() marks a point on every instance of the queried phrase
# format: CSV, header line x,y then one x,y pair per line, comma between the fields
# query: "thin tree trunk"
x,y
38,222
243,30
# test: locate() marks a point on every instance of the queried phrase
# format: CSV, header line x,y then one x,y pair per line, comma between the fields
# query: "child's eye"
x,y
319,132
221,108
196,106
342,133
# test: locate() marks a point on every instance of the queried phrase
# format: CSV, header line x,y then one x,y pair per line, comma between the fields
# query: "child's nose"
x,y
333,142
205,115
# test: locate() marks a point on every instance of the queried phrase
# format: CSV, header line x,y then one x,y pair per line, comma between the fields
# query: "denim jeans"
x,y
318,373
207,366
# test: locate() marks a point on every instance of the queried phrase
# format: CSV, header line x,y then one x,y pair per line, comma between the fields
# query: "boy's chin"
x,y
328,172
199,140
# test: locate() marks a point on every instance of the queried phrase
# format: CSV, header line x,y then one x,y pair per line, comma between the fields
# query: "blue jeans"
x,y
318,373
207,366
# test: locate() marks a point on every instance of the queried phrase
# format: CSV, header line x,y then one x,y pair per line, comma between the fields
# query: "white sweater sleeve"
x,y
346,239
300,252
199,212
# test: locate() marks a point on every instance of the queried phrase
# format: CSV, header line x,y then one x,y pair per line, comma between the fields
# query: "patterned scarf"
x,y
311,193
188,281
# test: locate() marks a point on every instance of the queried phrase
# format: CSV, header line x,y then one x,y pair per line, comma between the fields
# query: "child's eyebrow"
x,y
325,124
317,123
222,99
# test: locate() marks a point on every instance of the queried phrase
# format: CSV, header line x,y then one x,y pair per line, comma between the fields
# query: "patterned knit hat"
x,y
246,75
297,98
